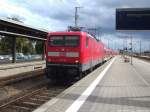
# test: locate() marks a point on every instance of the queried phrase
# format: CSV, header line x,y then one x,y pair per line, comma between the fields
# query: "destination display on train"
x,y
133,19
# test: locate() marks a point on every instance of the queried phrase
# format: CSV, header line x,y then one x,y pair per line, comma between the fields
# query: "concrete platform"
x,y
114,87
7,70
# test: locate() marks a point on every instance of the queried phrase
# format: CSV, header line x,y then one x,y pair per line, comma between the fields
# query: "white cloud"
x,y
58,14
9,9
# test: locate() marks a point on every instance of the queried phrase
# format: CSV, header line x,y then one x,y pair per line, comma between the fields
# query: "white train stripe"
x,y
67,54
72,54
53,53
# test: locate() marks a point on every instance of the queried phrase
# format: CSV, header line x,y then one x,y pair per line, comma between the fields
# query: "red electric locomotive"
x,y
71,53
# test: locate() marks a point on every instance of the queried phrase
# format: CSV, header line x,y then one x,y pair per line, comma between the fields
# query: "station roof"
x,y
13,28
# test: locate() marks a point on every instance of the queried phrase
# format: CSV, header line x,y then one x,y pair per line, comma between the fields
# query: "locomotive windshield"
x,y
56,41
70,41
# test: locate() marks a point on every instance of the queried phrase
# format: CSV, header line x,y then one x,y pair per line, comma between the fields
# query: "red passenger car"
x,y
71,53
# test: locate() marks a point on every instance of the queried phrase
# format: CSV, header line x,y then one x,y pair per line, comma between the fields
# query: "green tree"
x,y
39,47
20,43
30,46
6,45
6,42
26,49
24,46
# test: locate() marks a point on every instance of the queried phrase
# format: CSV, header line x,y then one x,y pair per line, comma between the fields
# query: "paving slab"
x,y
123,88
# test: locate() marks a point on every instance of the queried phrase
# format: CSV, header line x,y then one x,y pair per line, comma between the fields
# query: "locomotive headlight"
x,y
76,61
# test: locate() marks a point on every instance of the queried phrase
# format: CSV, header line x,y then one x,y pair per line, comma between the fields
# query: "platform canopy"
x,y
13,28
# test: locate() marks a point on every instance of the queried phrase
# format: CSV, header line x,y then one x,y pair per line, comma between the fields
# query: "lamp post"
x,y
131,51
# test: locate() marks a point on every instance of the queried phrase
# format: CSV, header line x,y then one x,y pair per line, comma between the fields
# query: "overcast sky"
x,y
56,15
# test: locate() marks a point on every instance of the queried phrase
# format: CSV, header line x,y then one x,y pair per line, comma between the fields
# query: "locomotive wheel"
x,y
47,74
80,75
91,69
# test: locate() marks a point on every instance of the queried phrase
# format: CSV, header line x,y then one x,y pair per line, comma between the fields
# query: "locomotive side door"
x,y
90,47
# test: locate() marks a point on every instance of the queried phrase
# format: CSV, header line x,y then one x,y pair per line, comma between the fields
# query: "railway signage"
x,y
133,19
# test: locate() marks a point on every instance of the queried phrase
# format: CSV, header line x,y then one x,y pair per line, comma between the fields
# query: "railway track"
x,y
32,90
20,77
146,58
16,87
31,100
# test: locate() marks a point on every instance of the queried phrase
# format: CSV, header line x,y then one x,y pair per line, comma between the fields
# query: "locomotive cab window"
x,y
56,41
71,40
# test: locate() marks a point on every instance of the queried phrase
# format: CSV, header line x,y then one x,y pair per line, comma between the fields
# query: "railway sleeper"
x,y
38,100
34,102
50,94
42,97
31,103
27,104
46,93
17,108
53,90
